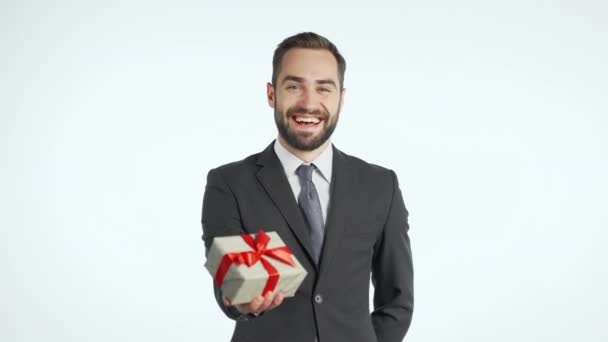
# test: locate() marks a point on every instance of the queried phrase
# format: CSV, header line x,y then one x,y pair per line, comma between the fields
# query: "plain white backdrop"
x,y
492,113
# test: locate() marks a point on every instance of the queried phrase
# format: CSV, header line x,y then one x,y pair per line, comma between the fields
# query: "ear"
x,y
342,94
270,94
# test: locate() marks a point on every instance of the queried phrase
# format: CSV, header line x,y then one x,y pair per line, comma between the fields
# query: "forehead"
x,y
310,64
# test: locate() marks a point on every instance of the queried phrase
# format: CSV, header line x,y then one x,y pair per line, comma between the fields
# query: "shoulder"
x,y
371,186
364,171
236,169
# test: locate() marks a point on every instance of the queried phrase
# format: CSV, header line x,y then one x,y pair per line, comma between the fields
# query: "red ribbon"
x,y
250,258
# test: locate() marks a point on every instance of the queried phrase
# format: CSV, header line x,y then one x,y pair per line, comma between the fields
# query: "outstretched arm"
x,y
221,217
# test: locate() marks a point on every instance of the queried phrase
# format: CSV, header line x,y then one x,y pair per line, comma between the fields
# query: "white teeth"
x,y
305,119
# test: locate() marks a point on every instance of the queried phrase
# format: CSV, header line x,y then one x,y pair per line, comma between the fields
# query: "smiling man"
x,y
344,219
307,99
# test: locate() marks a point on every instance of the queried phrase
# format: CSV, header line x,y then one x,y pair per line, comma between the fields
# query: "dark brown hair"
x,y
306,40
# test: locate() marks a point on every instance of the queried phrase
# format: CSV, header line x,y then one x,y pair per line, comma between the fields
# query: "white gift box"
x,y
241,282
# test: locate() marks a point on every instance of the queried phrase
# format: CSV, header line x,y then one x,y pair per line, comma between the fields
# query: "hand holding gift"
x,y
259,304
255,272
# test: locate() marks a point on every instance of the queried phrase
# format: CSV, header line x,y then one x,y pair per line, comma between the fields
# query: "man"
x,y
343,218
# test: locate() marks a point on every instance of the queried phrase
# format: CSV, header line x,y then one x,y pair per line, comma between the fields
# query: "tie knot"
x,y
305,172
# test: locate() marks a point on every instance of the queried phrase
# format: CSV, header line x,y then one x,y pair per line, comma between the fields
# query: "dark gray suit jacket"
x,y
366,233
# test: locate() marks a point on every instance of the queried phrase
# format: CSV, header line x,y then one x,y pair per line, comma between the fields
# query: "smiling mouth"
x,y
306,122
310,120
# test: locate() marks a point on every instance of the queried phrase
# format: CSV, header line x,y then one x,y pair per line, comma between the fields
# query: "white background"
x,y
492,113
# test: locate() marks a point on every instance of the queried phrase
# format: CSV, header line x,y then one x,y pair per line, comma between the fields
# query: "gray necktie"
x,y
311,207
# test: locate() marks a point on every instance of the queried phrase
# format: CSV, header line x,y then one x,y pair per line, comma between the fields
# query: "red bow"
x,y
250,258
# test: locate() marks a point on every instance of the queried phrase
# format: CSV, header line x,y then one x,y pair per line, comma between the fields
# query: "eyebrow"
x,y
327,81
292,78
301,80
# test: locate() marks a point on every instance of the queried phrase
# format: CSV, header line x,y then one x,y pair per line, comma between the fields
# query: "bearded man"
x,y
343,218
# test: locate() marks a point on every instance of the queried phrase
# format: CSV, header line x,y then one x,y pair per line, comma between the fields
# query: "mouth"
x,y
306,122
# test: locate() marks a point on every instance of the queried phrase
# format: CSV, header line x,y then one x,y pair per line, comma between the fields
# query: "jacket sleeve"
x,y
392,273
220,217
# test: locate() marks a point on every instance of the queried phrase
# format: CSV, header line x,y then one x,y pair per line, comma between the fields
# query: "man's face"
x,y
306,98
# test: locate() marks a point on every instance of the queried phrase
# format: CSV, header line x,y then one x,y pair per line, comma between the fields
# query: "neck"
x,y
307,156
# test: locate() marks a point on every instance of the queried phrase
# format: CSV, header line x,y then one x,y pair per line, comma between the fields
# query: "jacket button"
x,y
318,299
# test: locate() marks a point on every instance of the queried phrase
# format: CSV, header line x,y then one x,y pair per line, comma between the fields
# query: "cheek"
x,y
287,104
332,106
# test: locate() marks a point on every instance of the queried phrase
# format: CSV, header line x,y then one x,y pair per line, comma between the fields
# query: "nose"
x,y
309,99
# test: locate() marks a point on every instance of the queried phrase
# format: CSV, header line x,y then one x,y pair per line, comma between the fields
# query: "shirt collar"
x,y
324,162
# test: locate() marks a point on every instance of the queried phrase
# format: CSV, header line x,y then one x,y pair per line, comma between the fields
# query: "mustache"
x,y
302,110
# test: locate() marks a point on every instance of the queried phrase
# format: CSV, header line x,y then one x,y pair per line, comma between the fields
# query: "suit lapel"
x,y
272,177
341,183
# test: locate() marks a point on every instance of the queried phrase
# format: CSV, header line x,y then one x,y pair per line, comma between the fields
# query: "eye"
x,y
325,90
291,87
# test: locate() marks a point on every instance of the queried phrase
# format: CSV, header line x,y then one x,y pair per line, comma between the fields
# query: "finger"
x,y
256,305
277,300
267,301
226,301
253,306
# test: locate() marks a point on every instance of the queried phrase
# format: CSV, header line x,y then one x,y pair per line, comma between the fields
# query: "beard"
x,y
299,142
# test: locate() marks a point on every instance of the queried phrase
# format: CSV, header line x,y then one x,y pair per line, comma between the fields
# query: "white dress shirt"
x,y
321,176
